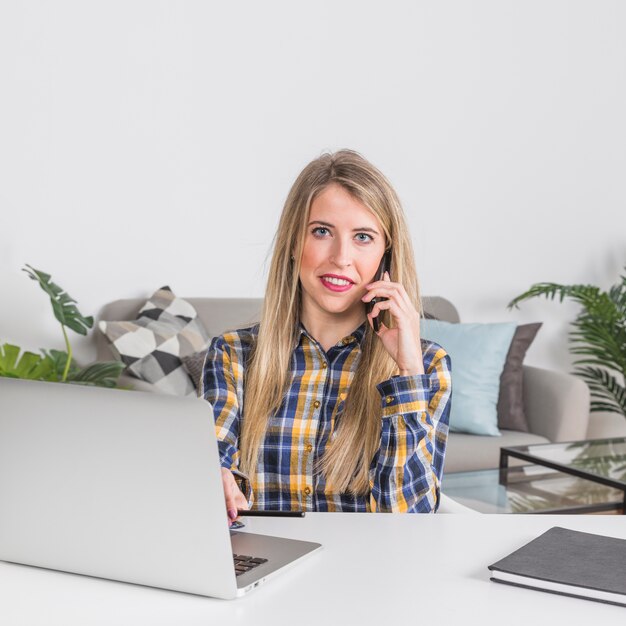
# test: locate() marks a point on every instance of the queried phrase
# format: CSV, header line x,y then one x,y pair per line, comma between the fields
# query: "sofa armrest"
x,y
556,404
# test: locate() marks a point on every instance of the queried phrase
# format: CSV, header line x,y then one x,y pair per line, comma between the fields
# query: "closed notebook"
x,y
568,562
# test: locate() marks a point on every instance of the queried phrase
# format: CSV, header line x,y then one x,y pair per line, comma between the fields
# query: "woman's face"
x,y
343,247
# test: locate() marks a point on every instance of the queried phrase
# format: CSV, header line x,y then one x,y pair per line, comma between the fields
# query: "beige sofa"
x,y
556,404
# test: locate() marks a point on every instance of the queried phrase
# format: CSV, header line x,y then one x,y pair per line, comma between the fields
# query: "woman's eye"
x,y
367,237
316,231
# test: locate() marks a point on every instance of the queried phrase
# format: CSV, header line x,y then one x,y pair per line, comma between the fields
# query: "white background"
x,y
145,143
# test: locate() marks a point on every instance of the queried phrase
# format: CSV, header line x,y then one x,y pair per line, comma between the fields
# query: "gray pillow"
x,y
152,346
511,415
194,363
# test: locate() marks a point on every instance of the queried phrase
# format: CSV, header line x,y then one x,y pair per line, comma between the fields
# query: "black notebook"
x,y
568,562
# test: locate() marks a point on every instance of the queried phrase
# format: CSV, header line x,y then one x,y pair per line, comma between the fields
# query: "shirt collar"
x,y
355,336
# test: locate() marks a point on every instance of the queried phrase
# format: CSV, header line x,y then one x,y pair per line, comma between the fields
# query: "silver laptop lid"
x,y
115,484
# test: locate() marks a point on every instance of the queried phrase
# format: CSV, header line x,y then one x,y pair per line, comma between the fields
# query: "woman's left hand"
x,y
403,341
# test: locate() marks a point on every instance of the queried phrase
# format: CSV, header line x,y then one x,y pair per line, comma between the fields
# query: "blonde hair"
x,y
349,454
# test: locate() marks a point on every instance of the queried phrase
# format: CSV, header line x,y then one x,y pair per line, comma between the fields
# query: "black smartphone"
x,y
385,266
263,513
237,524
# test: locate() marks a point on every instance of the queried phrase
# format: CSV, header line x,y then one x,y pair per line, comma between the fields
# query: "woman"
x,y
314,409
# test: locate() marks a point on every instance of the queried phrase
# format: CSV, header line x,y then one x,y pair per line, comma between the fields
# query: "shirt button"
x,y
389,399
309,447
316,404
324,365
307,491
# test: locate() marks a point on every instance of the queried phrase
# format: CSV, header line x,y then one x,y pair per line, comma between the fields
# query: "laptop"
x,y
124,485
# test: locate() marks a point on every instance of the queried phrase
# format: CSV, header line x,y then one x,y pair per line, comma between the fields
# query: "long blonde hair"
x,y
349,453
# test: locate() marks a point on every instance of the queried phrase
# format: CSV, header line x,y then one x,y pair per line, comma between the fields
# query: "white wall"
x,y
146,143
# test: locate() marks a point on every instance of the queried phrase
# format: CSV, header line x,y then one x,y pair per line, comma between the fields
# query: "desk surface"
x,y
373,569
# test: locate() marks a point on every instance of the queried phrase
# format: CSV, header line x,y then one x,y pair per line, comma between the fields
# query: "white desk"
x,y
374,569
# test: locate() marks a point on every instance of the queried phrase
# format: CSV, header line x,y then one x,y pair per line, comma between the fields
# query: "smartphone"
x,y
237,524
385,266
263,513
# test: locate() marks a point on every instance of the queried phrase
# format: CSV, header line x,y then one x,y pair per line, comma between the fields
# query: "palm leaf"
x,y
584,294
63,305
605,347
598,335
605,388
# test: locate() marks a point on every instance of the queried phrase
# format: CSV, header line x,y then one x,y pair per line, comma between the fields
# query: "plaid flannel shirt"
x,y
406,471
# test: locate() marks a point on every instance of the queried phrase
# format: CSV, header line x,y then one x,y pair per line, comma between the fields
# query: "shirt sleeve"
x,y
405,475
222,388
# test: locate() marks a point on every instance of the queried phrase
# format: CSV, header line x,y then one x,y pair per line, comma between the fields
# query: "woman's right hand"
x,y
233,496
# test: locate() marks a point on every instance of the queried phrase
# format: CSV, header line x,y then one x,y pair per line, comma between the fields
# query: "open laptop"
x,y
124,485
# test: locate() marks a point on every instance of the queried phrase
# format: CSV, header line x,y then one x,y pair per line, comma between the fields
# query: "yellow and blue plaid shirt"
x,y
405,473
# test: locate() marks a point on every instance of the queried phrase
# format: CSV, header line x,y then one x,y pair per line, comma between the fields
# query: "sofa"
x,y
556,404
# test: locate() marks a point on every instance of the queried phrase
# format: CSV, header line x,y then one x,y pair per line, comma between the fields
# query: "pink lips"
x,y
332,287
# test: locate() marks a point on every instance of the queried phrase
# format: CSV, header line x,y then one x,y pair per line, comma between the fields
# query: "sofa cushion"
x,y
165,330
478,353
511,414
465,453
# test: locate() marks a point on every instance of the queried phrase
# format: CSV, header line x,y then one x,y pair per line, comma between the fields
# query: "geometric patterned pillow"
x,y
167,329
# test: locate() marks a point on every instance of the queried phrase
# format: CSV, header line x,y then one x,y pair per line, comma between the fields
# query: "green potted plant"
x,y
58,365
598,338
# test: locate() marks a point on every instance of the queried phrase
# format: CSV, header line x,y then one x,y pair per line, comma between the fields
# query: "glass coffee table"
x,y
577,477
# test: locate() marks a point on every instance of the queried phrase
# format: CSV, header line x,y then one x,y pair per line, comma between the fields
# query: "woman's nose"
x,y
340,254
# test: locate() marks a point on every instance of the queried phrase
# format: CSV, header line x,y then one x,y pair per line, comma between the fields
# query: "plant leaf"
x,y
29,365
598,335
606,392
63,305
58,360
103,374
583,294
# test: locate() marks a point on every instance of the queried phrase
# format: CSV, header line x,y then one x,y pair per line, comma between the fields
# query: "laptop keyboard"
x,y
244,563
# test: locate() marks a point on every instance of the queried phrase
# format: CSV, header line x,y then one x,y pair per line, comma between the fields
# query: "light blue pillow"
x,y
478,353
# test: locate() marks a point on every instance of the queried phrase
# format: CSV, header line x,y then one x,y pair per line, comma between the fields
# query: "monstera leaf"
x,y
104,374
58,360
28,365
58,365
63,305
50,365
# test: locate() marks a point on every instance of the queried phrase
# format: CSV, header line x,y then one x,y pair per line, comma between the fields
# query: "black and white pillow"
x,y
166,330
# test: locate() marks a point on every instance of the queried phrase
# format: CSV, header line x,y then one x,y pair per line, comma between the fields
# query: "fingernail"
x,y
232,513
